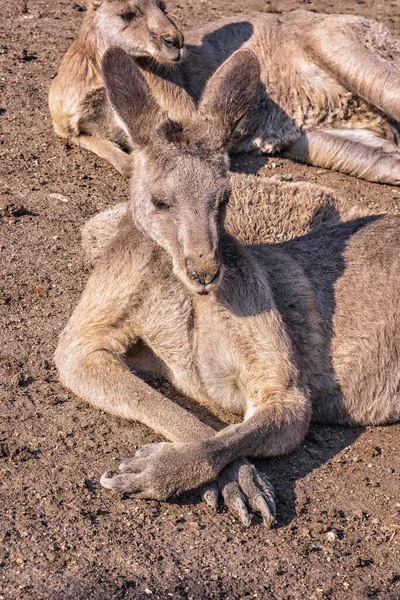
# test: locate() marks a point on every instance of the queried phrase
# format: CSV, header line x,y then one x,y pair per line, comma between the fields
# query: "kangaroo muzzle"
x,y
170,39
204,270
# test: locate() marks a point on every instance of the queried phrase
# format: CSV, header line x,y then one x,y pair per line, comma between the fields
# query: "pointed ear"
x,y
130,96
230,92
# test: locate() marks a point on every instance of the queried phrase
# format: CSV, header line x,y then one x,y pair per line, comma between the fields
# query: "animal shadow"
x,y
323,442
321,445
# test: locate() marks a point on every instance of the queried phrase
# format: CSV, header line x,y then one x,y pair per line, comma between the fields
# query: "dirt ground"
x,y
62,536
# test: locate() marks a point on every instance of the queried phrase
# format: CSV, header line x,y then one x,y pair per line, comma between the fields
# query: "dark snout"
x,y
204,271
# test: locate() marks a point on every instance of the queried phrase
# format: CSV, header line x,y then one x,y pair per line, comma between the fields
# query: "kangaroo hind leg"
x,y
359,153
347,53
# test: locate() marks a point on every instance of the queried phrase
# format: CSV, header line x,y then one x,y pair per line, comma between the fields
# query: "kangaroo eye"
x,y
128,16
159,204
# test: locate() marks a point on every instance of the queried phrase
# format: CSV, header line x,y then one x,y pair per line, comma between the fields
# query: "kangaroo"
x,y
329,92
279,334
77,99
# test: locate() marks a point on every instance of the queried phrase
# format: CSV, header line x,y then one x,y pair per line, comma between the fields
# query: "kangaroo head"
x,y
140,27
180,187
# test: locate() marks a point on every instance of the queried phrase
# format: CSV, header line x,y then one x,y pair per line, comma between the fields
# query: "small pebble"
x,y
331,535
59,197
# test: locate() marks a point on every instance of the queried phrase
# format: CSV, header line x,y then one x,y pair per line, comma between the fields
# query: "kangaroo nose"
x,y
172,41
203,276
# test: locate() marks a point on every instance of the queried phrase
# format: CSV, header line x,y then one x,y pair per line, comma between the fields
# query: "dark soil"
x,y
62,536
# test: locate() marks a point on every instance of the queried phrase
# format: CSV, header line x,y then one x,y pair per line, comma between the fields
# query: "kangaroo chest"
x,y
195,349
220,366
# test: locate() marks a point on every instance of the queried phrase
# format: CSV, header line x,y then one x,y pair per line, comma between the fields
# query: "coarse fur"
x,y
277,333
260,210
329,92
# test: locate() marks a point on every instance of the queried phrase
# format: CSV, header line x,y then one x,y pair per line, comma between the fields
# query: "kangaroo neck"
x,y
92,46
245,286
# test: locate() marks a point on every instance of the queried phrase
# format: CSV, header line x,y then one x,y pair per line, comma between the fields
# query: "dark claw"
x,y
210,494
239,506
262,505
269,494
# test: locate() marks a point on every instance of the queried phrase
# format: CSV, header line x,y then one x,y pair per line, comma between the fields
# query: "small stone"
x,y
331,535
148,591
59,197
20,561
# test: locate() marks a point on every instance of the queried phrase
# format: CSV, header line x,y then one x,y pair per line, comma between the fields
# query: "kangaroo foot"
x,y
242,486
238,482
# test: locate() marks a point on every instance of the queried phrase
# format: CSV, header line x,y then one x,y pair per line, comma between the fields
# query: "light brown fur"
x,y
279,333
329,93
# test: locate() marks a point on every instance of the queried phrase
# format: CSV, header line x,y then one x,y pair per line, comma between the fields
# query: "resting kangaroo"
x,y
77,99
277,333
329,93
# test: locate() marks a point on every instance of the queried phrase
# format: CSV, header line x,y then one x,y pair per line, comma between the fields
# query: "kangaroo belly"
x,y
222,379
356,287
221,368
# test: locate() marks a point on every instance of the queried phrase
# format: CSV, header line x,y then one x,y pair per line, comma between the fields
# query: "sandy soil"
x,y
61,535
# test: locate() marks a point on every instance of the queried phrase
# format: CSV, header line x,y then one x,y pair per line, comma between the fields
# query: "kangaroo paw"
x,y
161,470
242,486
210,494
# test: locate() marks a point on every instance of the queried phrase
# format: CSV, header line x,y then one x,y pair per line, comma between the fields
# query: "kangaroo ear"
x,y
230,92
130,96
